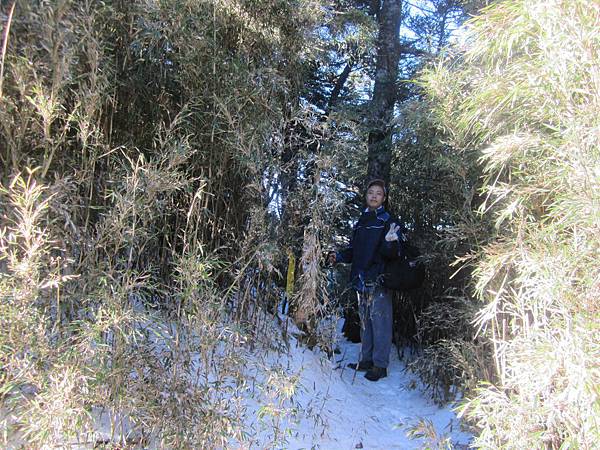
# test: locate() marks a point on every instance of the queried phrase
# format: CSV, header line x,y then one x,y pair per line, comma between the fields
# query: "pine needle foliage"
x,y
523,99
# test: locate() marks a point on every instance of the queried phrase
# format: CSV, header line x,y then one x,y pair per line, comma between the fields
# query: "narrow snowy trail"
x,y
343,410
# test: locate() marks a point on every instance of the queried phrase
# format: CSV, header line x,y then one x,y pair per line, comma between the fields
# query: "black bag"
x,y
351,328
405,272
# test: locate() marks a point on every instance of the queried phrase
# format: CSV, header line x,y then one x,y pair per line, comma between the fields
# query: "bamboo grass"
x,y
522,98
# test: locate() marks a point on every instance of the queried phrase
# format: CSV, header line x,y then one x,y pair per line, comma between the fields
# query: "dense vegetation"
x,y
135,140
162,162
521,103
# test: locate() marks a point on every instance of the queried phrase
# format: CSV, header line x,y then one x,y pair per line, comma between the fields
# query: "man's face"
x,y
375,197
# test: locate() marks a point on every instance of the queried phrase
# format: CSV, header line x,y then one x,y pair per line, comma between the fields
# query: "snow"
x,y
339,409
296,398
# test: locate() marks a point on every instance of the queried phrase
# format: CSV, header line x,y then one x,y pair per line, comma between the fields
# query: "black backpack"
x,y
406,272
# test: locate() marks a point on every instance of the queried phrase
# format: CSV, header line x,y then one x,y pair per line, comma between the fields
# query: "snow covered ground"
x,y
339,409
296,398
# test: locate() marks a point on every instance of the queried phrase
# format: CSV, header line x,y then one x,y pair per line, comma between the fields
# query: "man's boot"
x,y
375,373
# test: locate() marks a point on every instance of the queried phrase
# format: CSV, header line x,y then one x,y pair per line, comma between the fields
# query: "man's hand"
x,y
392,234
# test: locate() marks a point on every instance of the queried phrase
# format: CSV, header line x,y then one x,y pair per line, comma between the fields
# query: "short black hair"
x,y
378,182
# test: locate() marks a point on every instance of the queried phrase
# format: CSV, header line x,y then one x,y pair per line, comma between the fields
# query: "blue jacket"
x,y
368,248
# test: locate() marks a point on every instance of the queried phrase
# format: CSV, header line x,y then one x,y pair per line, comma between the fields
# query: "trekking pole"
x,y
342,364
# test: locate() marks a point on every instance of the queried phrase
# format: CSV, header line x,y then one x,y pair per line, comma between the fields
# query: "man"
x,y
375,239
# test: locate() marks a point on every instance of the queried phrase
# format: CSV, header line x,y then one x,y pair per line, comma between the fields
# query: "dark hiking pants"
x,y
375,309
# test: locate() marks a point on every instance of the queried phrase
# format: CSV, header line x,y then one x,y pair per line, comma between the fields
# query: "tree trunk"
x,y
339,85
381,110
